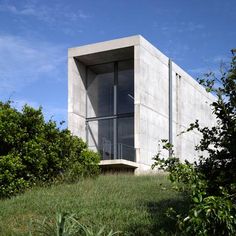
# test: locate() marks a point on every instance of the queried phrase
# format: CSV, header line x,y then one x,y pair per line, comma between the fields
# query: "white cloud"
x,y
218,59
47,13
216,65
23,62
179,27
201,71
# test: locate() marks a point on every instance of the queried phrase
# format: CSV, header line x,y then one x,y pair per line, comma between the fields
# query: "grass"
x,y
135,205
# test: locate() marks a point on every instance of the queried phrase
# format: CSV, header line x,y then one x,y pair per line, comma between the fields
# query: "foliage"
x,y
84,165
208,214
10,166
33,151
65,225
185,173
214,215
211,183
219,141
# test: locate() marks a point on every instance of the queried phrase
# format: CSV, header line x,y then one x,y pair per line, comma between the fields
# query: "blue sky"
x,y
35,35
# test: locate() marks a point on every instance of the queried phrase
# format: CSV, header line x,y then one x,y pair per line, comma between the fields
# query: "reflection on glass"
x,y
100,137
125,144
125,97
100,82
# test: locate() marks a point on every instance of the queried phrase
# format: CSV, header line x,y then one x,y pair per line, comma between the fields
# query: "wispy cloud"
x,y
202,71
23,62
216,64
218,59
175,33
179,27
47,13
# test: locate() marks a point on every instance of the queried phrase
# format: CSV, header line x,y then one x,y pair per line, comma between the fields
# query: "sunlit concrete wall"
x,y
190,101
151,100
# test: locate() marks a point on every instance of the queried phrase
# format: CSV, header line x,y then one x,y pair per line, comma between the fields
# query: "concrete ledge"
x,y
104,46
118,163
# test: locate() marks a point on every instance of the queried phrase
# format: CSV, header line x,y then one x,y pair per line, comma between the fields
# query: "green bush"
x,y
211,183
11,181
83,166
208,214
212,216
33,151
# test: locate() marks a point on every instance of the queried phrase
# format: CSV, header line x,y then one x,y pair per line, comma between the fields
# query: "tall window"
x,y
110,109
125,91
100,90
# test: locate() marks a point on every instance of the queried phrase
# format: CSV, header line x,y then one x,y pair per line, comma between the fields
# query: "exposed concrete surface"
x,y
120,162
190,101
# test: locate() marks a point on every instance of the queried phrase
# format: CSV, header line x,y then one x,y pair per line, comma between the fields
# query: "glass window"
x,y
102,133
125,143
100,83
125,89
100,137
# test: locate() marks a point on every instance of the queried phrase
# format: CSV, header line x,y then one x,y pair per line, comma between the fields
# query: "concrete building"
x,y
125,96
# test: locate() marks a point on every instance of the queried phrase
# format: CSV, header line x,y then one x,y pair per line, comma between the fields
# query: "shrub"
x,y
219,168
32,151
84,165
211,183
208,214
212,216
11,181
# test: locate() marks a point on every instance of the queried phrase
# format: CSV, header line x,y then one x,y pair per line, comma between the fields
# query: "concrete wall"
x,y
151,103
76,98
151,81
190,101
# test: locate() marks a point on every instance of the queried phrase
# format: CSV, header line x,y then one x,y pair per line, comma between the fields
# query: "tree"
x,y
35,151
211,182
219,168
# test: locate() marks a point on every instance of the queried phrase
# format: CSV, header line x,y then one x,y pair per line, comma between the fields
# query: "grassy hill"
x,y
135,205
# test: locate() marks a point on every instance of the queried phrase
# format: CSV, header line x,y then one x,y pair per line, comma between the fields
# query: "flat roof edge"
x,y
105,46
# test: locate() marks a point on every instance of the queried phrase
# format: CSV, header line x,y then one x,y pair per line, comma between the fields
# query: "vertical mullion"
x,y
115,110
86,104
170,107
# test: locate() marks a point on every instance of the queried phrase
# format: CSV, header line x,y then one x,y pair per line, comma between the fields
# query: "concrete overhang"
x,y
113,50
105,46
107,56
108,51
118,163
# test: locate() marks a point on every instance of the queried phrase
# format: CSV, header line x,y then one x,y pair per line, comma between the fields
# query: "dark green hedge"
x,y
34,151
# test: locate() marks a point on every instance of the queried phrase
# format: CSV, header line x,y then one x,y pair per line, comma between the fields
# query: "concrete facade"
x,y
152,118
